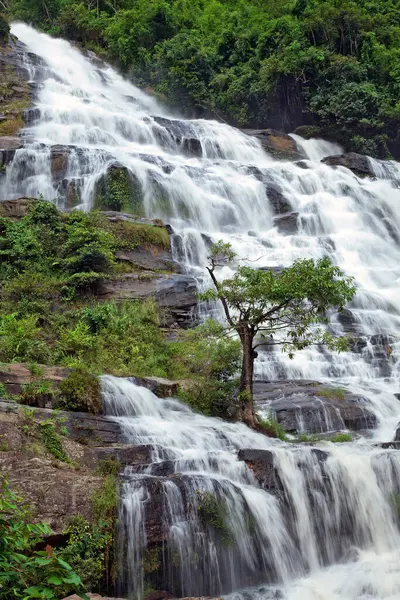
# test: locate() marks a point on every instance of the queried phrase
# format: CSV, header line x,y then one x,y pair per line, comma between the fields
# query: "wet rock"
x,y
92,597
8,146
347,319
133,456
262,464
31,115
178,133
303,164
397,435
358,163
115,216
118,189
276,143
310,407
59,156
149,258
287,223
277,200
15,209
163,388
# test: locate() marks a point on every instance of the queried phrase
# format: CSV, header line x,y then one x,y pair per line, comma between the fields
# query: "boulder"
x,y
358,163
276,143
310,407
8,146
287,223
59,157
15,376
175,294
149,259
84,428
15,209
163,388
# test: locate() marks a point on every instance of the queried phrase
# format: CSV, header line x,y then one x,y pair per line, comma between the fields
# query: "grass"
x,y
332,393
272,428
340,438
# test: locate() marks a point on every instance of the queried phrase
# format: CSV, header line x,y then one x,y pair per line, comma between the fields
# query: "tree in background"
x,y
268,308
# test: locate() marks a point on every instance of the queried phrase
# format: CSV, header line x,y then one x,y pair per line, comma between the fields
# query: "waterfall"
x,y
327,505
325,526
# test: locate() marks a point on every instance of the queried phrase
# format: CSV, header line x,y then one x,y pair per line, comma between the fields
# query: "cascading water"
x,y
210,182
326,505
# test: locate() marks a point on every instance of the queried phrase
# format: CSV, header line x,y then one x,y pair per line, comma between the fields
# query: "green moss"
x,y
119,190
132,235
213,513
80,391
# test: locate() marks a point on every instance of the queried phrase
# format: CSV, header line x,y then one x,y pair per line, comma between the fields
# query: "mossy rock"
x,y
118,189
80,391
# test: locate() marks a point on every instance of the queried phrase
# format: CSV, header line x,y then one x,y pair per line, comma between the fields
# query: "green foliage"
x,y
340,438
87,550
52,441
25,572
80,391
4,29
271,427
109,466
281,64
104,501
151,560
213,512
332,393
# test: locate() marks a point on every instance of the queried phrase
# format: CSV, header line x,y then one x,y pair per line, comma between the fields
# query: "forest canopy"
x,y
328,64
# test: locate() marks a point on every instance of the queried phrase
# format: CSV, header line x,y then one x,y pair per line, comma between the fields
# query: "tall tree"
x,y
281,308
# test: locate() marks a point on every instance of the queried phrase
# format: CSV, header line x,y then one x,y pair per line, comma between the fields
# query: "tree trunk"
x,y
246,379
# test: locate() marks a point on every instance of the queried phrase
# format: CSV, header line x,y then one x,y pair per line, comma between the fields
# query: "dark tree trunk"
x,y
246,379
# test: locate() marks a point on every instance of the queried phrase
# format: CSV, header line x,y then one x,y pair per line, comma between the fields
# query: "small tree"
x,y
282,308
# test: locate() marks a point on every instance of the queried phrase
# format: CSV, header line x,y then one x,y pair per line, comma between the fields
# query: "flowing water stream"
x,y
327,528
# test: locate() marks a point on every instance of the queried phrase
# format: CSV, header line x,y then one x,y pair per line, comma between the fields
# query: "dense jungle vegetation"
x,y
333,64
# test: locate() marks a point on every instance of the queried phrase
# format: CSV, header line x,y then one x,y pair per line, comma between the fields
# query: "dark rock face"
x,y
287,223
175,294
358,163
279,144
397,435
8,146
149,259
178,133
310,407
277,200
262,464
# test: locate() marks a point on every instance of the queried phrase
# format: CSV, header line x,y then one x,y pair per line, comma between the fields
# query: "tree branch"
x,y
223,300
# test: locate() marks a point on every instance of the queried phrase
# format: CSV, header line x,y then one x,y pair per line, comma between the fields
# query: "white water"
x,y
227,194
334,506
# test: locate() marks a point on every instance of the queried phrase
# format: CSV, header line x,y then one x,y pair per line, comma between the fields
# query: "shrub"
x,y
213,513
52,441
87,550
271,427
105,500
26,573
80,391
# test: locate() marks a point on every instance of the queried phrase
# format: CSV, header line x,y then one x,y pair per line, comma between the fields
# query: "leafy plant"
x,y
27,573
